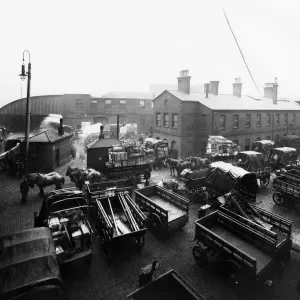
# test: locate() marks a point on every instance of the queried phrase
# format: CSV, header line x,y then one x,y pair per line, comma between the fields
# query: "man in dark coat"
x,y
24,189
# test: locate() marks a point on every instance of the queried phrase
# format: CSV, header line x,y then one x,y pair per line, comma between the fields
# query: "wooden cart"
x,y
169,286
119,218
246,244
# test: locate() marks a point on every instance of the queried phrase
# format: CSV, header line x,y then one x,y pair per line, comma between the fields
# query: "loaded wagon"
x,y
284,157
168,286
28,266
263,147
65,213
255,162
287,189
223,177
118,218
249,246
165,209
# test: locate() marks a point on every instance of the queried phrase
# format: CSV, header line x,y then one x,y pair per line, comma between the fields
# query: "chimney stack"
x,y
214,87
184,79
101,135
271,91
61,127
237,87
206,89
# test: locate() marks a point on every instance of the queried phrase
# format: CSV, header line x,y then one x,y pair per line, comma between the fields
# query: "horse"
x,y
169,184
182,165
173,164
43,180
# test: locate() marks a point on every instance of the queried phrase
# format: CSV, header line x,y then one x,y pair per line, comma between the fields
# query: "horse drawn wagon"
x,y
255,162
28,266
248,246
286,188
168,286
263,147
165,209
119,218
65,213
284,157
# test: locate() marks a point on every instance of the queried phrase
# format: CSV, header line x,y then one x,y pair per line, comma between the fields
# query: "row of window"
x,y
258,120
166,120
94,103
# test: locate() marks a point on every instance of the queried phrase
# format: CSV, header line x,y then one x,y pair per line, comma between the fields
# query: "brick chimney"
x,y
61,127
214,87
206,89
184,82
237,87
271,91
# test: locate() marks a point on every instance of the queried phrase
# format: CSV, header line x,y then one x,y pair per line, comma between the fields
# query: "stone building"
x,y
186,119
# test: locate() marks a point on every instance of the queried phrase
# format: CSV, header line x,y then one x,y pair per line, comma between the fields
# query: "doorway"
x,y
57,157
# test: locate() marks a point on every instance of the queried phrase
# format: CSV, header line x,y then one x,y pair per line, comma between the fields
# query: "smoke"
x,y
52,121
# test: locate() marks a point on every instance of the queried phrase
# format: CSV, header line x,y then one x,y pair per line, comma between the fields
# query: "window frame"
x,y
286,119
258,120
79,101
277,123
246,144
94,104
166,122
268,119
236,121
294,119
122,103
224,127
158,120
142,106
173,121
248,125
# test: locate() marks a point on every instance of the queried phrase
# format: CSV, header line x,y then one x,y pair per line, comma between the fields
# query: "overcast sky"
x,y
95,47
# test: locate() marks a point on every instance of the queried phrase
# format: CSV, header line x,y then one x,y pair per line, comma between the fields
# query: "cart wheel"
x,y
265,182
278,199
155,219
140,241
199,256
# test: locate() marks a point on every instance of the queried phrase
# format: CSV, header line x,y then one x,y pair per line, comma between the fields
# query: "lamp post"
x,y
27,124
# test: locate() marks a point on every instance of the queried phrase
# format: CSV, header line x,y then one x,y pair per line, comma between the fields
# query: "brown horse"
x,y
43,180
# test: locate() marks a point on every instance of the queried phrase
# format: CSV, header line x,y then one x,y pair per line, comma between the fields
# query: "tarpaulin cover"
x,y
224,177
152,143
283,155
29,259
263,146
251,160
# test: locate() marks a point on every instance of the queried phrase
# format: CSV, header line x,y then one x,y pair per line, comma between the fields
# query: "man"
x,y
24,189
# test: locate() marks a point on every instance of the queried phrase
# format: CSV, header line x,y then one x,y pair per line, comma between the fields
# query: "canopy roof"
x,y
251,160
284,150
265,142
218,139
29,259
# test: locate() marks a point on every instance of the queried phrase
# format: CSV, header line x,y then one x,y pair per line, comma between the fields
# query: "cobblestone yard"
x,y
118,276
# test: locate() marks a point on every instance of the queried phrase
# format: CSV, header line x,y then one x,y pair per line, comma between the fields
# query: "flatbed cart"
x,y
247,245
166,210
168,286
286,190
119,218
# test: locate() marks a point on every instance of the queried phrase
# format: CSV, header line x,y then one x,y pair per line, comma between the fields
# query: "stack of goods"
x,y
71,233
149,156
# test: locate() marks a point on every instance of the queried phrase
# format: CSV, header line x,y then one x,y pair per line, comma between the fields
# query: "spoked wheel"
x,y
278,199
155,219
264,182
200,256
140,241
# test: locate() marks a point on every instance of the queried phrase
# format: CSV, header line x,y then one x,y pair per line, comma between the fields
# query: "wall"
x,y
65,151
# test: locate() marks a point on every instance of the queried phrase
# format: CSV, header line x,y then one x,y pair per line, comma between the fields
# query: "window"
x,y
277,119
258,138
258,120
142,104
122,103
222,122
235,121
108,103
79,103
268,137
247,144
285,118
93,104
175,121
248,120
294,119
277,138
293,133
236,142
158,119
268,120
78,126
166,120
204,122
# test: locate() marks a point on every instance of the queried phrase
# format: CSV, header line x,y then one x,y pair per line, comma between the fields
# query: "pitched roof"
x,y
48,136
128,95
231,102
104,143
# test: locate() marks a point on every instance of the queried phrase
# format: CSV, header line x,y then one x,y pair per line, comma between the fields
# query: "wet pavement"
x,y
116,277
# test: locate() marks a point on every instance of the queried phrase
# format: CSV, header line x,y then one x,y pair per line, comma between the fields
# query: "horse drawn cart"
x,y
255,162
119,218
284,157
166,210
168,286
250,247
287,189
28,266
65,212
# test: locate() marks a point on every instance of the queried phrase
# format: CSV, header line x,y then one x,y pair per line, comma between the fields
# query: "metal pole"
x,y
27,126
117,127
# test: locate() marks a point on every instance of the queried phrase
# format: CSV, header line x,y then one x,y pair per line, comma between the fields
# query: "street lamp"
x,y
27,124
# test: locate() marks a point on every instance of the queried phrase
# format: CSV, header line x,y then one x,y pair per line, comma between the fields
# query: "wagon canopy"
x,y
263,146
225,177
283,155
29,260
251,160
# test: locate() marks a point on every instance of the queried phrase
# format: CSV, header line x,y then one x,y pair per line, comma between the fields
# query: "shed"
x,y
97,153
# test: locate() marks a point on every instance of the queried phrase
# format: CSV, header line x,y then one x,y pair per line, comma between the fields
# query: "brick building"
x,y
186,119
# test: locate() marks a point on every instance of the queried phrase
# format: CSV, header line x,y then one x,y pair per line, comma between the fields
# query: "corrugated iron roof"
x,y
128,95
104,143
48,136
231,102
